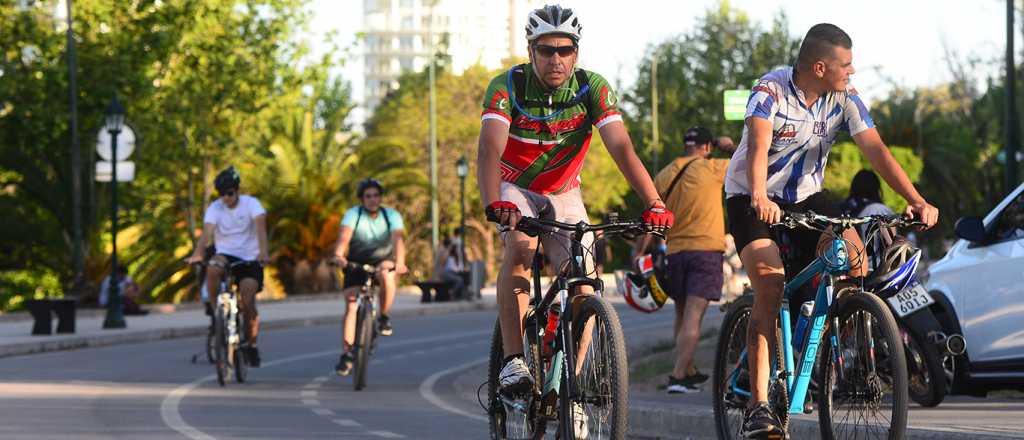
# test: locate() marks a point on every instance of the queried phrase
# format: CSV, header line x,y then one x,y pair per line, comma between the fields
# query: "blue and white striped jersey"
x,y
801,136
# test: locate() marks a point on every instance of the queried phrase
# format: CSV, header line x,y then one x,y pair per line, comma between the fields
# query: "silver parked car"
x,y
979,286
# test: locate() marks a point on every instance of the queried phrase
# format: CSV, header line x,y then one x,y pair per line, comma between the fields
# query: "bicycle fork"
x,y
558,373
229,310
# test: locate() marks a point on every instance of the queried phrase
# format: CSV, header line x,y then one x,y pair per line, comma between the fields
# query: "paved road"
x,y
417,388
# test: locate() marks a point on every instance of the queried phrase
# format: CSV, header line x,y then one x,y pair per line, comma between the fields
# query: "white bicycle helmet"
x,y
642,291
553,19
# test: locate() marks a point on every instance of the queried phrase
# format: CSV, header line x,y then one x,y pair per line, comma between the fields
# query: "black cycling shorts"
x,y
797,246
355,277
249,269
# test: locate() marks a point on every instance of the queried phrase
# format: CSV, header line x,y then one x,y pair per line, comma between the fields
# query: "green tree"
x,y
845,160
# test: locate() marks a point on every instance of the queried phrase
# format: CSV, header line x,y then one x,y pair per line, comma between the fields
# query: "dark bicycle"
x,y
862,376
590,377
365,342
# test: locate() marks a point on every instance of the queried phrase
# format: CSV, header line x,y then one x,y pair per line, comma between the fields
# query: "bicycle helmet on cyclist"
x,y
897,267
641,290
369,183
227,179
553,19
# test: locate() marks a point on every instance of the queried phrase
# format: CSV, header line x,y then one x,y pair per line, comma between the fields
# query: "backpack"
x,y
516,83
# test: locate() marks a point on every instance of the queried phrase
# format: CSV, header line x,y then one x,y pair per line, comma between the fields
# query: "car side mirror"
x,y
970,229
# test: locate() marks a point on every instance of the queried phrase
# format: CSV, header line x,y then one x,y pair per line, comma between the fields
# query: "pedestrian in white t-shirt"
x,y
238,225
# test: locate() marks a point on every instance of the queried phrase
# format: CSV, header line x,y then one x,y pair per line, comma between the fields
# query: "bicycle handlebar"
x,y
818,222
533,227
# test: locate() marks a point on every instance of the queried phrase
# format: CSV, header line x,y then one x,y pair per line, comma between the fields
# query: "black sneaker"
x,y
252,355
681,386
760,423
698,378
344,365
384,326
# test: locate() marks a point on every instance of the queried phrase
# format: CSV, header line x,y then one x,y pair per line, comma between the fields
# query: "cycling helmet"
x,y
897,267
641,290
553,19
227,179
369,183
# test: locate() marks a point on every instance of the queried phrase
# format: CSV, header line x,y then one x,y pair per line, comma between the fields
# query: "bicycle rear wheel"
x,y
361,350
864,383
220,352
729,373
511,418
603,379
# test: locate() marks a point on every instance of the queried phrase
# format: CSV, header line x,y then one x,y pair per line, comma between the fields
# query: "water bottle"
x,y
548,345
806,309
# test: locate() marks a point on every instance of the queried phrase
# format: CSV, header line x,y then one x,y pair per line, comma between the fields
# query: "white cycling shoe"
x,y
579,421
515,377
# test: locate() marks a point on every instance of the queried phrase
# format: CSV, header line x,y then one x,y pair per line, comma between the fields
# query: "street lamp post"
x,y
655,140
462,170
114,123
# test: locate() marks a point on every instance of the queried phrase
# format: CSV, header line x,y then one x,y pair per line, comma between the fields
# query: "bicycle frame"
x,y
835,262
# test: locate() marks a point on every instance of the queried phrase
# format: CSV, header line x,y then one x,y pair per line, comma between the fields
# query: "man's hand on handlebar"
x,y
923,211
504,213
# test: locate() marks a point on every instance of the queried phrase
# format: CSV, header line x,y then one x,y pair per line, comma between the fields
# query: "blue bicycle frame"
x,y
835,261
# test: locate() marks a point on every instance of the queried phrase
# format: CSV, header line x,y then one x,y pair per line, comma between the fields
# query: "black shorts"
x,y
249,269
797,246
355,277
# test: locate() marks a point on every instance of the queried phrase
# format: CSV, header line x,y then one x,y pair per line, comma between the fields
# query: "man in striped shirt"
x,y
793,117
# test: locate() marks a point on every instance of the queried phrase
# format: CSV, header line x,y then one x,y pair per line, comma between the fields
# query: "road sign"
x,y
735,104
125,143
125,171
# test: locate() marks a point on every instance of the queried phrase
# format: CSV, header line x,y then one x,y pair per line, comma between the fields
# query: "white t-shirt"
x,y
801,137
235,232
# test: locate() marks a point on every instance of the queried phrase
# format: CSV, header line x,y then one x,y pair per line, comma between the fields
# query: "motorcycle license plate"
x,y
910,300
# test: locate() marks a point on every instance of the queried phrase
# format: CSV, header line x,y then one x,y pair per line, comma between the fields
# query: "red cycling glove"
x,y
495,210
658,217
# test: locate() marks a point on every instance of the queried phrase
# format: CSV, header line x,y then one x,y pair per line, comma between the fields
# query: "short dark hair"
x,y
819,41
866,185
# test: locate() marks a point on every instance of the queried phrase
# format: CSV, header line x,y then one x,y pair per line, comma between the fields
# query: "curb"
x,y
653,422
130,337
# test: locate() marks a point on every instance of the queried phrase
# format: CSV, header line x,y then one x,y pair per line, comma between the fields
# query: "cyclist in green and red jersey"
x,y
536,129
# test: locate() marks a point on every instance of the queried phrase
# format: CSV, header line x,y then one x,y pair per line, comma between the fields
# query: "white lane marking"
x,y
172,417
310,402
323,412
169,407
321,379
348,423
309,393
427,389
313,385
386,434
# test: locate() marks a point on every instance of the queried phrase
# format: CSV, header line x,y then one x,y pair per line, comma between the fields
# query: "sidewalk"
x,y
658,415
188,320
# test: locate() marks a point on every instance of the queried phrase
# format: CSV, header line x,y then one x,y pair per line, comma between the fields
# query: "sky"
x,y
905,41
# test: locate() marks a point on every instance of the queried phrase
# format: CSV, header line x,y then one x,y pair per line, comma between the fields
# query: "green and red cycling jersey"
x,y
546,156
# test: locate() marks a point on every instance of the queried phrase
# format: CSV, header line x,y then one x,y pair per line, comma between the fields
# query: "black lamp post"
x,y
113,125
462,170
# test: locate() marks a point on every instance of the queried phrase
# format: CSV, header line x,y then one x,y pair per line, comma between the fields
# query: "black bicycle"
x,y
574,348
365,342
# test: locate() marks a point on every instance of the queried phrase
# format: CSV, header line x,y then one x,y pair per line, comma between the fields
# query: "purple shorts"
x,y
694,273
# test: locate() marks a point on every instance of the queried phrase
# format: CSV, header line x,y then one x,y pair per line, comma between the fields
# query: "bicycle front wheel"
x,y
220,352
864,378
364,334
602,377
238,355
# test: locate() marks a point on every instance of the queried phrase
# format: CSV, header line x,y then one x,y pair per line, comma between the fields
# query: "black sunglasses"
x,y
229,193
549,51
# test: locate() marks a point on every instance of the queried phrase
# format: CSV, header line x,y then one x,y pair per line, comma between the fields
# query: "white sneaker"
x,y
579,421
516,377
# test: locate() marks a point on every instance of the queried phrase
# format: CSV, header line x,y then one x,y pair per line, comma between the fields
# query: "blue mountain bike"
x,y
860,380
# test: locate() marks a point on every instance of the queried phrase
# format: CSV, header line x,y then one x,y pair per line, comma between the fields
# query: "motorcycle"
x,y
930,351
